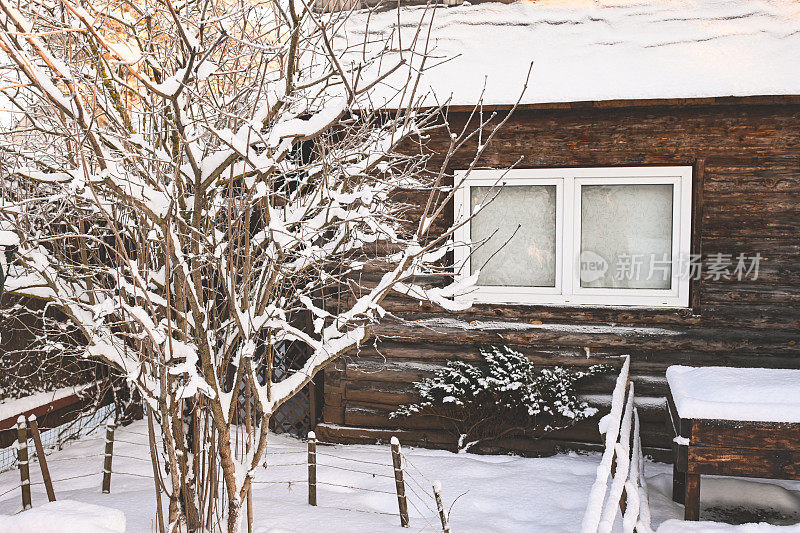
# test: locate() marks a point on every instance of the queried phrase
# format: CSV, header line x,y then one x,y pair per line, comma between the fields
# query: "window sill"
x,y
683,310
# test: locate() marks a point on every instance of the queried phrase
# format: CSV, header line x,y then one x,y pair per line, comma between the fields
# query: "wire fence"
x,y
419,487
55,438
283,467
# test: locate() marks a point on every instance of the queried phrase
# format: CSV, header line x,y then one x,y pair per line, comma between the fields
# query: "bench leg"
x,y
678,485
691,509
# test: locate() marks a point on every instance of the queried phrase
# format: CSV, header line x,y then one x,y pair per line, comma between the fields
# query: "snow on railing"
x,y
636,516
610,426
623,462
41,403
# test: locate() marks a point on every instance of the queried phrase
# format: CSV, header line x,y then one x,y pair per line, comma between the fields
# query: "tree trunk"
x,y
228,466
234,516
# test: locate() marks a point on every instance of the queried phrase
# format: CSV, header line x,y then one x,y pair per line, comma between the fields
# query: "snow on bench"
x,y
742,394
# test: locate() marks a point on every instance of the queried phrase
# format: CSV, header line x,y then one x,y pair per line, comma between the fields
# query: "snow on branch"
x,y
194,187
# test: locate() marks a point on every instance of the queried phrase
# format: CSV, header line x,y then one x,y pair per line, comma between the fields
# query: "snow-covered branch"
x,y
190,184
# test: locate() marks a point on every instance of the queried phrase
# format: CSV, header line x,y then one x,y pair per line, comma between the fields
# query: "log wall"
x,y
746,158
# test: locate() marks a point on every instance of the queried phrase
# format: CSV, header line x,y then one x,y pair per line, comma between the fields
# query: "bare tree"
x,y
190,183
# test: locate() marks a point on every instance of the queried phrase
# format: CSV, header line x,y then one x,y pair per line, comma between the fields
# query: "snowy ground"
x,y
491,493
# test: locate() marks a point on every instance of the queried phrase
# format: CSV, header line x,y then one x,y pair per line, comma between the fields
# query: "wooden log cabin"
x,y
666,130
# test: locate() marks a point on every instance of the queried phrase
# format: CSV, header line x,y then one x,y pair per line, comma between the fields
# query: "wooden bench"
x,y
732,422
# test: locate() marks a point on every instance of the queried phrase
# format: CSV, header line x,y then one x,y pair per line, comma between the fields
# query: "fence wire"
x,y
418,494
55,438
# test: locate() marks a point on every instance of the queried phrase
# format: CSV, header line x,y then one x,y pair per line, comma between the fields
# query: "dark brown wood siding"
x,y
746,157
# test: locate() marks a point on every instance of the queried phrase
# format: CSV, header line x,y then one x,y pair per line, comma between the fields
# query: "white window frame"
x,y
568,181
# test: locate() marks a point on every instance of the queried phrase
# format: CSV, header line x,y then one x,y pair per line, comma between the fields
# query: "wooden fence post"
x,y
249,426
399,483
312,468
110,427
437,493
22,461
151,439
37,441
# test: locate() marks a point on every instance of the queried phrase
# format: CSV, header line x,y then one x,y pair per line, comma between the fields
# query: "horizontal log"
x,y
735,434
646,385
772,464
377,416
766,203
651,411
370,391
333,433
377,369
775,250
751,293
408,371
747,304
653,434
441,330
774,272
753,177
441,353
643,360
368,375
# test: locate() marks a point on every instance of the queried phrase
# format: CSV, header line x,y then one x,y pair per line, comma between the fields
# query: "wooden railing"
x,y
623,464
41,404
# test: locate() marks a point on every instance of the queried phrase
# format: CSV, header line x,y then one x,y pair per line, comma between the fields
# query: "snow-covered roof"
x,y
590,50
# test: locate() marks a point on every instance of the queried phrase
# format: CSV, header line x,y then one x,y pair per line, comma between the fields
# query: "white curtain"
x,y
630,226
514,235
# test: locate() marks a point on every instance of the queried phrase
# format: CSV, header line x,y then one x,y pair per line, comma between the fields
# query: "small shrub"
x,y
505,395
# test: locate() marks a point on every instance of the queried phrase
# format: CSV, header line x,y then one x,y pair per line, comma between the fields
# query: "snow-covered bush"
x,y
504,395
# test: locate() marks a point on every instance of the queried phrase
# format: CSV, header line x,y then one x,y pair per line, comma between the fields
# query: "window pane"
x,y
630,228
518,225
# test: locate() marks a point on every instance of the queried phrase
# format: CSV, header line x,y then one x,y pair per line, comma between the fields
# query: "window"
x,y
585,236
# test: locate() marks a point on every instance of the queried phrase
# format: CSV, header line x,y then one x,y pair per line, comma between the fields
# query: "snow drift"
x,y
66,516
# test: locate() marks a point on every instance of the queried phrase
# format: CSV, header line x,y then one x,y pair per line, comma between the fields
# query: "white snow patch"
x,y
597,50
494,493
754,394
66,516
723,492
500,493
8,238
681,441
679,526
